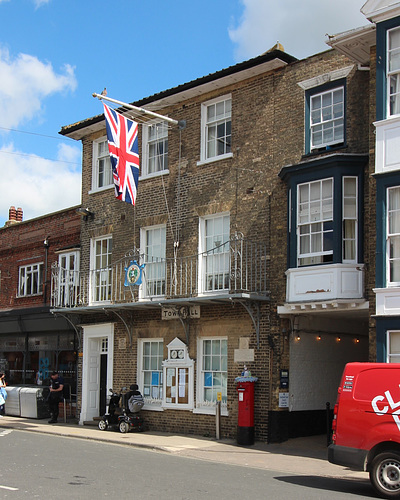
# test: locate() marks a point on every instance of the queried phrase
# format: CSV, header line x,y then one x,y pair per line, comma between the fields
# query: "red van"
x,y
366,424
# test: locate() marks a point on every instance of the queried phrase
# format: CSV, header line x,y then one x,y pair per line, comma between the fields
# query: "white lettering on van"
x,y
375,406
392,404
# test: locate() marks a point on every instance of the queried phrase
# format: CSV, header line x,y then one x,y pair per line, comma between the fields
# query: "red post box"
x,y
245,389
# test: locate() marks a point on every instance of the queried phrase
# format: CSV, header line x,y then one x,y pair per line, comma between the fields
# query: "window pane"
x,y
218,129
326,118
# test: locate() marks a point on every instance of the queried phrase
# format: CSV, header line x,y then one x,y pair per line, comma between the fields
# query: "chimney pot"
x,y
12,213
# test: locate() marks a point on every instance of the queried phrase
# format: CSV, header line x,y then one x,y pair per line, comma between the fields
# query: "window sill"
x,y
323,150
152,408
30,295
214,159
210,410
99,190
155,174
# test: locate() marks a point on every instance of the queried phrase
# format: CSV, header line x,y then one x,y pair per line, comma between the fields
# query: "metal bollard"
x,y
218,419
328,424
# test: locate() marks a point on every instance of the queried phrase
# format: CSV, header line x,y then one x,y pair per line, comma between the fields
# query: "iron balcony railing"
x,y
235,266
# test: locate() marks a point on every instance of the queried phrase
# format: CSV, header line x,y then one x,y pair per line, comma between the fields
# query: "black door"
x,y
103,383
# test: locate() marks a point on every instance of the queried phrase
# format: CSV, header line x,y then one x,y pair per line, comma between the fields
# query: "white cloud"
x,y
300,26
37,185
39,3
25,82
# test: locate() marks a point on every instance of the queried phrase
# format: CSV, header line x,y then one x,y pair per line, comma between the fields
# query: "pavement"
x,y
303,456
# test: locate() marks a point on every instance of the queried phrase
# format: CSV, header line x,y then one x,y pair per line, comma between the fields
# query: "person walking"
x,y
3,393
55,396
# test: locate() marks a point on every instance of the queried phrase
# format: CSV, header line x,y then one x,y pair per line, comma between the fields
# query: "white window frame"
x,y
226,118
221,252
105,273
393,97
350,215
390,236
313,221
328,122
395,357
203,406
30,270
108,183
151,403
68,279
154,135
147,288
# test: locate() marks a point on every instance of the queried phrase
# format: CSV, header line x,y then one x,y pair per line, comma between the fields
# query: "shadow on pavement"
x,y
360,487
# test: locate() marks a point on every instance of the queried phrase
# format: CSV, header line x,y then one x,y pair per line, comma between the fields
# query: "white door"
x,y
68,265
93,339
93,388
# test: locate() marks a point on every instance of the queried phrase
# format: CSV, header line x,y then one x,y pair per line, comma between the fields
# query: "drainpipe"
x,y
46,245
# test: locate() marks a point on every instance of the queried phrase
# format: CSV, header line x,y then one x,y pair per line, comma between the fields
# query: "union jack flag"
x,y
122,136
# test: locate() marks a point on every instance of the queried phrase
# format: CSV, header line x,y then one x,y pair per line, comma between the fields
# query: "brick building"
x,y
377,46
33,340
252,222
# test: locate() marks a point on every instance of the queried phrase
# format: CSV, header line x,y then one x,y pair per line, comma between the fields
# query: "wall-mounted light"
x,y
357,340
298,338
46,243
85,213
318,337
338,339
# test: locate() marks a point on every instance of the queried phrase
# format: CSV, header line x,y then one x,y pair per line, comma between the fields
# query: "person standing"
x,y
55,396
3,393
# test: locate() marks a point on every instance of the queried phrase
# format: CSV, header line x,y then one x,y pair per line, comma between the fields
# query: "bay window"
x,y
393,235
393,71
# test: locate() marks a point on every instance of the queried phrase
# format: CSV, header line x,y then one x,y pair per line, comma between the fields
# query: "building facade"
x,y
32,340
250,238
377,46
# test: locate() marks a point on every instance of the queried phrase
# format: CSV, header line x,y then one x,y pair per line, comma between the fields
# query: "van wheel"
x,y
385,474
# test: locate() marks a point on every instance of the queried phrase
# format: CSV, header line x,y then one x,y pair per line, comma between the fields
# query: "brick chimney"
x,y
14,216
20,214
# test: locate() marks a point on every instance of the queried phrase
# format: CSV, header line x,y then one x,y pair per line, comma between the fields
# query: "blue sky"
x,y
55,53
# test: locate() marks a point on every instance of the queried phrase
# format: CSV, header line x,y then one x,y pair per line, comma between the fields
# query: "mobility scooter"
x,y
124,417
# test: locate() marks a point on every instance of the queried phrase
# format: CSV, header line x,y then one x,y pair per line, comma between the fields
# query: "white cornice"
x,y
325,78
380,10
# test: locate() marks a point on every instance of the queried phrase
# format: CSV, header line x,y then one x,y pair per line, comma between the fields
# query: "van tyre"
x,y
385,474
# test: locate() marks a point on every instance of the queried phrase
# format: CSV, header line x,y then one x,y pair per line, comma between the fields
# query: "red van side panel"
x,y
368,411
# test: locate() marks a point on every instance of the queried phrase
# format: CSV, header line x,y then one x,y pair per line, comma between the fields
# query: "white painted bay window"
x,y
393,236
350,203
393,71
393,347
315,222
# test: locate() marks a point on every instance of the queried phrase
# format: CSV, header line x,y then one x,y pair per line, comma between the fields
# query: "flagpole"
x,y
181,123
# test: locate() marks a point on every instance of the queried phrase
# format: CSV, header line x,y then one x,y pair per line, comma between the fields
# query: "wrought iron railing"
x,y
235,266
